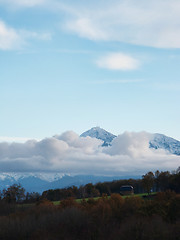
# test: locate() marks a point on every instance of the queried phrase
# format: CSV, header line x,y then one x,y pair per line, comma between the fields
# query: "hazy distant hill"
x,y
37,182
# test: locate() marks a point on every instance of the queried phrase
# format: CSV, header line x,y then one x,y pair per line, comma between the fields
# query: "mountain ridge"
x,y
158,141
100,133
32,183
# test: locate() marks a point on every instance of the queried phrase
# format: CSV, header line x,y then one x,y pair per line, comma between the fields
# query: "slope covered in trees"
x,y
158,181
109,217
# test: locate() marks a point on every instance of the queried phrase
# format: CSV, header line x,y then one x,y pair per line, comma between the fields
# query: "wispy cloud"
x,y
167,86
35,35
85,27
118,61
151,23
117,81
11,38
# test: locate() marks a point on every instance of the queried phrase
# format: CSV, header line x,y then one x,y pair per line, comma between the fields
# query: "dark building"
x,y
126,190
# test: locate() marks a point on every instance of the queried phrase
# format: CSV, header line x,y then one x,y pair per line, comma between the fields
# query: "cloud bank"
x,y
69,153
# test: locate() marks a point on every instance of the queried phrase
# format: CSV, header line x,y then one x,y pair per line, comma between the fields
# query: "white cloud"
x,y
11,38
151,23
69,153
84,27
118,61
135,145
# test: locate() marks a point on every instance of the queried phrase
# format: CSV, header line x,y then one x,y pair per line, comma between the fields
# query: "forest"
x,y
110,216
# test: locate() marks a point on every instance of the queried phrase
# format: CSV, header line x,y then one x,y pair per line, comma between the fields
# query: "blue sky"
x,y
72,65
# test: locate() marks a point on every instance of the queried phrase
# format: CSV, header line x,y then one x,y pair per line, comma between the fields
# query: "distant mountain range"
x,y
38,182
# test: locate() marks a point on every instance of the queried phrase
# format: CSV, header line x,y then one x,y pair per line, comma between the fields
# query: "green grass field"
x,y
96,198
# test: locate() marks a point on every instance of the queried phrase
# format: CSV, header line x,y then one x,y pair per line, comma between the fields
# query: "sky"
x,y
73,65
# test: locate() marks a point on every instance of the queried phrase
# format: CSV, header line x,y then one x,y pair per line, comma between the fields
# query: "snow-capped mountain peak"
x,y
158,141
164,142
99,133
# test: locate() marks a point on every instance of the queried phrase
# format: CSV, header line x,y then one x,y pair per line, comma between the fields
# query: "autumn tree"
x,y
164,180
15,193
148,181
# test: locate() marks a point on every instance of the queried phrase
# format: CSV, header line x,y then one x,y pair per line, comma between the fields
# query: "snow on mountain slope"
x,y
158,140
32,182
99,133
167,143
48,177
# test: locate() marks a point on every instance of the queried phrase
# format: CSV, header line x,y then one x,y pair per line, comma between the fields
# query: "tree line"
x,y
150,182
108,218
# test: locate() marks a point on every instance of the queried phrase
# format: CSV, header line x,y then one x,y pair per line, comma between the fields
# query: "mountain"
x,y
39,182
167,143
99,133
158,140
32,182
